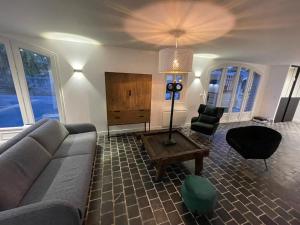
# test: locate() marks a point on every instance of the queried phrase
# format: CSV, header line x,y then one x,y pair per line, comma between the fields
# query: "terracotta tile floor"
x,y
123,191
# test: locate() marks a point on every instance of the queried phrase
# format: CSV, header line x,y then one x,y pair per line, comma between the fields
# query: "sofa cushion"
x,y
21,135
50,135
65,179
20,165
77,144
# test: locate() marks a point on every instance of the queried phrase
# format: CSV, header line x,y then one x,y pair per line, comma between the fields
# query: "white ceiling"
x,y
265,31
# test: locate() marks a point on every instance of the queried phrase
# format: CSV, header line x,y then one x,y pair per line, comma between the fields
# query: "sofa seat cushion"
x,y
65,179
77,144
50,135
20,165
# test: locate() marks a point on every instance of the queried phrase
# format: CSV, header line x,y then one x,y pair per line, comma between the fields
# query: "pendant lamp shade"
x,y
175,60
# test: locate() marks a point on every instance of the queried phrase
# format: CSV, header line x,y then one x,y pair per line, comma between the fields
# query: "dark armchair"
x,y
254,142
208,120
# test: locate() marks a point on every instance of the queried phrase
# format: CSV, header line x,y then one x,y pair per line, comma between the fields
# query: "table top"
x,y
154,144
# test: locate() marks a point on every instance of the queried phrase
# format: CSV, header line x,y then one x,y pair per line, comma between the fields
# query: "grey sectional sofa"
x,y
45,173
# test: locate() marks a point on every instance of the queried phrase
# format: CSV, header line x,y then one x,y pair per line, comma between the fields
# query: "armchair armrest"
x,y
46,213
80,128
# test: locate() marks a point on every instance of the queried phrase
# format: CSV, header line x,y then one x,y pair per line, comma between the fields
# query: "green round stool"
x,y
198,194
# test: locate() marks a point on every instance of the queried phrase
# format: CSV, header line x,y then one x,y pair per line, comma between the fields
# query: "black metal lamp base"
x,y
170,142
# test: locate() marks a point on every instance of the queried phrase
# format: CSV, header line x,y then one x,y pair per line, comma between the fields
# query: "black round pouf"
x,y
254,142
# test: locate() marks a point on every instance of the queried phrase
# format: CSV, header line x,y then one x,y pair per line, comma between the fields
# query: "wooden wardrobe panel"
x,y
143,92
118,88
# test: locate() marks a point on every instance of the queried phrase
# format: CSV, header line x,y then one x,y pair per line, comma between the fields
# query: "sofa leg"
x,y
266,165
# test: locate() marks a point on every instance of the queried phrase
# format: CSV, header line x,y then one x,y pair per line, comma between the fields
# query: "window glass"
x,y
228,87
37,68
170,79
214,87
10,114
240,90
252,92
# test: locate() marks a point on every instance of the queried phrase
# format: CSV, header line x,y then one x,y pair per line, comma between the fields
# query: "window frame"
x,y
182,92
18,74
225,66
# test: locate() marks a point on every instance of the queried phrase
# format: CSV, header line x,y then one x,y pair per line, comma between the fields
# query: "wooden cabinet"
x,y
128,98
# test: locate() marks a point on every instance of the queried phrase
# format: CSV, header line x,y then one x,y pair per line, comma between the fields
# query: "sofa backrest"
x,y
6,145
20,165
50,135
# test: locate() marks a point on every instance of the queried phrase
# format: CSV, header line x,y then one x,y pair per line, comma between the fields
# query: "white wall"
x,y
272,91
84,94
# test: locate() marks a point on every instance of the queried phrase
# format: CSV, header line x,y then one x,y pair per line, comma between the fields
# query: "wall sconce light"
x,y
198,74
77,71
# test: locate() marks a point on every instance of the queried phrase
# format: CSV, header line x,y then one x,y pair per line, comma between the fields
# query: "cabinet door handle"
x,y
117,111
141,116
117,117
129,92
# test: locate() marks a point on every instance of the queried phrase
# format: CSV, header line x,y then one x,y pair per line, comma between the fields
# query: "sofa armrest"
x,y
46,213
80,128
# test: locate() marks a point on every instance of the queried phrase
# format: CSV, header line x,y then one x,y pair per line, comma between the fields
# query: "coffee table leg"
x,y
159,170
198,164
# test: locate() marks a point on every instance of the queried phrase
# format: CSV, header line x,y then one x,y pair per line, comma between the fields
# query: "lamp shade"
x,y
175,60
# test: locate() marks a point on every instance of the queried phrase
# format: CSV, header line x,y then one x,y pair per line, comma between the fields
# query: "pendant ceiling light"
x,y
175,60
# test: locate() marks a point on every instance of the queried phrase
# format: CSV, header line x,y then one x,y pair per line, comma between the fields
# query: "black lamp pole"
x,y
172,87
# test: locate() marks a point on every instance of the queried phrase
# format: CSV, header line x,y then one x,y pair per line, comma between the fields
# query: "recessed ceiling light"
x,y
69,37
206,55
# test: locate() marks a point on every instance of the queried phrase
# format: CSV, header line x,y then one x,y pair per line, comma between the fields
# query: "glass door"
x,y
214,87
250,97
240,92
228,88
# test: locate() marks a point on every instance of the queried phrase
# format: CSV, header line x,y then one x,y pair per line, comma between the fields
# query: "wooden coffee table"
x,y
184,149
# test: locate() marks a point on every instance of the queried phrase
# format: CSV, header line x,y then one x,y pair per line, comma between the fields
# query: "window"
x,y
240,91
27,85
40,84
234,88
228,87
10,113
214,87
170,79
252,92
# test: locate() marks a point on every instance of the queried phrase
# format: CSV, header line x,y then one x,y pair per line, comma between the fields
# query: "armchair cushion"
x,y
205,128
194,119
210,110
208,119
